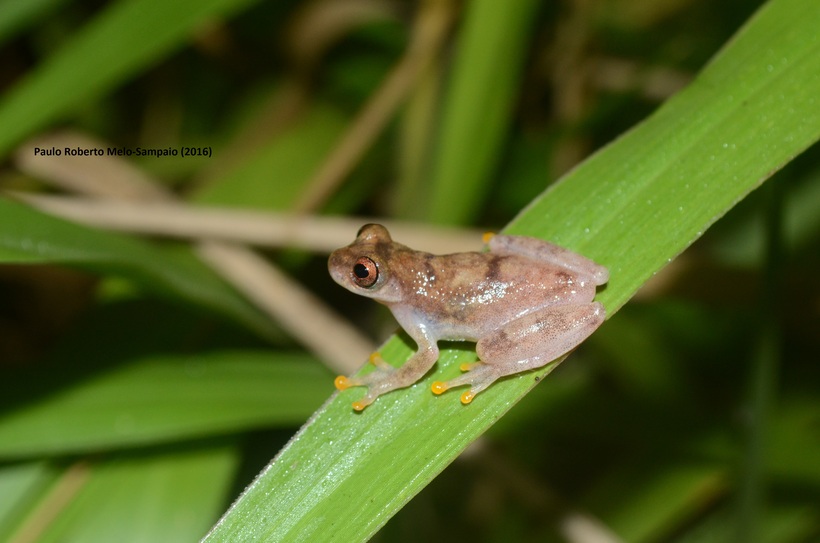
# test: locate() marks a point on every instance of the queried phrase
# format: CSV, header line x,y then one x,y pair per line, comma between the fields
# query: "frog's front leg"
x,y
386,378
525,344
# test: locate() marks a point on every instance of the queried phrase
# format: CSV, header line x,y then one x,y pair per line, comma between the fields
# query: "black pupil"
x,y
361,271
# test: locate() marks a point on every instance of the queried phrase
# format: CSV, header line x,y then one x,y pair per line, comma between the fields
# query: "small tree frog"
x,y
525,302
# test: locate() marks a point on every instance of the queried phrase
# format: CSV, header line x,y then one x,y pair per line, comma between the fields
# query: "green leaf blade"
x,y
478,106
165,398
165,495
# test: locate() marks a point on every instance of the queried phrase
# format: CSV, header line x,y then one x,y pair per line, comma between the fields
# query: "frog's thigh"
x,y
545,251
539,337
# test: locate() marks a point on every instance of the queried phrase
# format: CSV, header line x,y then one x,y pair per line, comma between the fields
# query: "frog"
x,y
524,302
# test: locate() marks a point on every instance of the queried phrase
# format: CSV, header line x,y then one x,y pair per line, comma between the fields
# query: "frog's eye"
x,y
365,272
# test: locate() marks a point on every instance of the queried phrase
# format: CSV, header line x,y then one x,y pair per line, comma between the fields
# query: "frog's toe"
x,y
343,383
361,404
468,396
369,397
377,360
439,387
382,373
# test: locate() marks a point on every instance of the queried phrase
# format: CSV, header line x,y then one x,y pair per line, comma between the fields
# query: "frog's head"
x,y
364,266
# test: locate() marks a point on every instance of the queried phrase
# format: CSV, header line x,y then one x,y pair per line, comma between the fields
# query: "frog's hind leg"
x,y
545,251
528,343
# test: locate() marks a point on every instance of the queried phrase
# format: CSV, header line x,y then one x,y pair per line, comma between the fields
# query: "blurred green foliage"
x,y
136,406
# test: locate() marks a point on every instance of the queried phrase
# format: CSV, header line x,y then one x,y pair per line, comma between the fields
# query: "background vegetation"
x,y
146,382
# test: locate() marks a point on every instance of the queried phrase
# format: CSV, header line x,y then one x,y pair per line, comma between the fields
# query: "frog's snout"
x,y
335,265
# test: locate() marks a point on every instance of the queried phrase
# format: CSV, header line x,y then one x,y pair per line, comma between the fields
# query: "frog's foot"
x,y
343,383
479,375
383,368
378,381
386,378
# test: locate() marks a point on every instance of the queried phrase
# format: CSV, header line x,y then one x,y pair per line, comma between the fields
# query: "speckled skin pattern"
x,y
525,302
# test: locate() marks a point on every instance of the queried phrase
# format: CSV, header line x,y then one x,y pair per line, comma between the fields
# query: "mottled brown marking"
x,y
494,268
563,277
383,248
429,269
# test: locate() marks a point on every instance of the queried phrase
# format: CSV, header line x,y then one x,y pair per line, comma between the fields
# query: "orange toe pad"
x,y
439,388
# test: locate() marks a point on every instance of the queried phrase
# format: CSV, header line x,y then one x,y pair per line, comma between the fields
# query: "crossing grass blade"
x,y
30,237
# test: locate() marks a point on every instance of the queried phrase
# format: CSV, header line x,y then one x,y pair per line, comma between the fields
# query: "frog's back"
x,y
463,295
